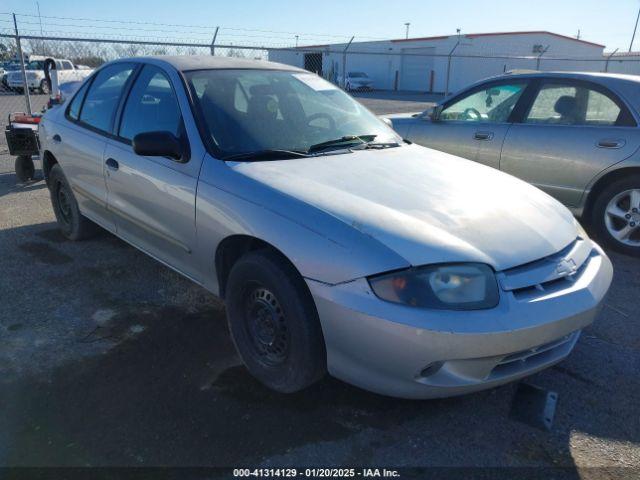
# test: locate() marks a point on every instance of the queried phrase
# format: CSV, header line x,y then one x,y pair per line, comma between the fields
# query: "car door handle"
x,y
56,138
611,143
483,135
112,164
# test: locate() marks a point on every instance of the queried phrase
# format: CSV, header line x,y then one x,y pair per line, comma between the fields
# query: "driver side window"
x,y
492,104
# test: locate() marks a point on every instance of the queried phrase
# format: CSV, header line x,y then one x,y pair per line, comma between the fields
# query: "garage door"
x,y
415,70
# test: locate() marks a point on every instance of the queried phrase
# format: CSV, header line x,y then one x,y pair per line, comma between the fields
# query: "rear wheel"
x,y
25,170
274,323
616,215
72,223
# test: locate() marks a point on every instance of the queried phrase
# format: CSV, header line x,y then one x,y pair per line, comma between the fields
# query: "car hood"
x,y
427,206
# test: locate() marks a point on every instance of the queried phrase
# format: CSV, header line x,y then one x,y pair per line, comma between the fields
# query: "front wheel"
x,y
274,322
72,223
25,170
616,215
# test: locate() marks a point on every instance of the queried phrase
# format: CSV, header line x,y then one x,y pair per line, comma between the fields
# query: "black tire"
x,y
274,322
44,87
601,226
25,170
72,223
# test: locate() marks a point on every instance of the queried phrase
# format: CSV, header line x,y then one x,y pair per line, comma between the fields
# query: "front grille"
x,y
550,274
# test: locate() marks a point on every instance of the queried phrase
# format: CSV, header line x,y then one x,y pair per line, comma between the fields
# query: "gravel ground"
x,y
109,358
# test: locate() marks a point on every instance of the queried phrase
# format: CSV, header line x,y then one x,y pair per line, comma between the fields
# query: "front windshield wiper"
x,y
345,140
376,145
269,154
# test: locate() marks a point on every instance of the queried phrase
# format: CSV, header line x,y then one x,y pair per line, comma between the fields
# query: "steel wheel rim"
x,y
622,217
64,204
266,326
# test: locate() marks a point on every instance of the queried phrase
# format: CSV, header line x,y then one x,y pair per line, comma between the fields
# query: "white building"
x,y
421,64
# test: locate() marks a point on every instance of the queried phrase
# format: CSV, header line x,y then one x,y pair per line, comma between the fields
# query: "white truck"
x,y
67,72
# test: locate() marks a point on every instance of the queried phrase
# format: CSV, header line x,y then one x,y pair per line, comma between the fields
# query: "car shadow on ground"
x,y
156,381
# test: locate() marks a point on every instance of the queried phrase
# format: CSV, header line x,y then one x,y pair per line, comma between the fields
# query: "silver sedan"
x,y
336,246
574,135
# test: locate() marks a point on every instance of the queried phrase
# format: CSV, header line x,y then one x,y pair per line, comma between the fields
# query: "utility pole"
x,y
297,37
406,34
41,34
633,37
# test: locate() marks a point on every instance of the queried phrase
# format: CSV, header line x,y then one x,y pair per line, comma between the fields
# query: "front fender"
x,y
319,245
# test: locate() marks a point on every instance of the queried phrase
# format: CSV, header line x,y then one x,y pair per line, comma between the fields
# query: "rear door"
x,y
571,131
473,125
153,198
81,140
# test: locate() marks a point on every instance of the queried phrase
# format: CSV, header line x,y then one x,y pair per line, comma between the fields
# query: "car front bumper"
x,y
415,353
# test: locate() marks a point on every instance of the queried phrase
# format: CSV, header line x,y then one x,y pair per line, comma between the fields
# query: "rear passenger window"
x,y
566,104
103,96
151,107
76,103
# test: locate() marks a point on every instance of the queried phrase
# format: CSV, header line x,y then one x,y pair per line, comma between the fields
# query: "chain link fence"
x,y
368,66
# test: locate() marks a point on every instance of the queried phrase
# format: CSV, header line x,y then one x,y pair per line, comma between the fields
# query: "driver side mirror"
x,y
158,144
433,113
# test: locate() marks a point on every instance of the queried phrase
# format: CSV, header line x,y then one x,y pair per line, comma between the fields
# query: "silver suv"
x,y
336,246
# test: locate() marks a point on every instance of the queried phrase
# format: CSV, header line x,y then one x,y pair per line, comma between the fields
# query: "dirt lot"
x,y
109,358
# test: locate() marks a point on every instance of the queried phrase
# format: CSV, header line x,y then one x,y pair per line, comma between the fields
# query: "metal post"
x,y
540,56
25,85
606,64
446,90
344,63
634,31
213,42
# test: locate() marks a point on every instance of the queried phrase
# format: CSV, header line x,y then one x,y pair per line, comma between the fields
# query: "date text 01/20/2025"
x,y
316,473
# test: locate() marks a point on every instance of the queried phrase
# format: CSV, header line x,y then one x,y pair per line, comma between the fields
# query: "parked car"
x,y
4,71
574,135
336,246
356,81
34,70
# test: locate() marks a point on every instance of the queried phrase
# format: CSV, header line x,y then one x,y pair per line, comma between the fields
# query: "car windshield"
x,y
256,110
357,75
35,65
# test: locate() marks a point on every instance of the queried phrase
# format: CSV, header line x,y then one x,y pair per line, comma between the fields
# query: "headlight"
x,y
467,286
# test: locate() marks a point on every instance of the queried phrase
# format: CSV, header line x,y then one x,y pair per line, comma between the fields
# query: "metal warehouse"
x,y
423,64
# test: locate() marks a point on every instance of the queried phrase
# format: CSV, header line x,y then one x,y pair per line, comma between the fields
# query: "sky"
x,y
276,22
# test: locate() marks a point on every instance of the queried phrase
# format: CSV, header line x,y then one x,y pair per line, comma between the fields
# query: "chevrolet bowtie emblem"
x,y
566,267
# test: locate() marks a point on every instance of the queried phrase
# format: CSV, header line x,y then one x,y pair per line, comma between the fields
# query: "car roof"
x,y
595,76
185,63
